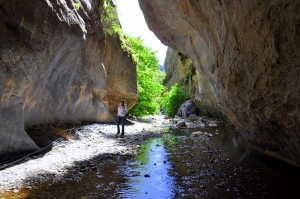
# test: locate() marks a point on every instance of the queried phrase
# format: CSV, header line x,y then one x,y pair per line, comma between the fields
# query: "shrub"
x,y
173,99
77,6
149,79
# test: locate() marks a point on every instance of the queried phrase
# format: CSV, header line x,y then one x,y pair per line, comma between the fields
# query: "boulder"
x,y
197,134
193,118
181,124
191,108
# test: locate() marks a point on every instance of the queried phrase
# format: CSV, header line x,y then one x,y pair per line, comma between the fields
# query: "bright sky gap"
x,y
133,24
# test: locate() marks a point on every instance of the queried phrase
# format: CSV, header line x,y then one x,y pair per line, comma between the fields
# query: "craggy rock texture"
x,y
181,70
249,51
121,73
51,68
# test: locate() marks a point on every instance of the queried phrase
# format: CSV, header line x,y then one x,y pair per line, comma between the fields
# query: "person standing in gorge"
x,y
122,111
183,109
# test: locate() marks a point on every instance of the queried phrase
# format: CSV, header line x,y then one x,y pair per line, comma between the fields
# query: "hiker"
x,y
180,111
183,109
122,111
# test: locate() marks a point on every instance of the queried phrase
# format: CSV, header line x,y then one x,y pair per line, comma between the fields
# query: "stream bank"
x,y
167,165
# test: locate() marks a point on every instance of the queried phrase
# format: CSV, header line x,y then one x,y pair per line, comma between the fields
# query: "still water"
x,y
177,166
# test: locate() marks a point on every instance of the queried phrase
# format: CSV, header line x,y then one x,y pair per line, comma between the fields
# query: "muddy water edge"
x,y
178,166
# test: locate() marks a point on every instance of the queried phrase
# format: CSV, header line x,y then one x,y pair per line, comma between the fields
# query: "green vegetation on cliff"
x,y
109,18
111,23
149,79
172,100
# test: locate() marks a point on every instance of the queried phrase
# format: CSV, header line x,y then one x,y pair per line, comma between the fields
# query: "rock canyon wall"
x,y
180,69
57,66
249,52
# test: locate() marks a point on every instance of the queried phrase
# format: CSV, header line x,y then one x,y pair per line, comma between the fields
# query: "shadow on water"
x,y
177,166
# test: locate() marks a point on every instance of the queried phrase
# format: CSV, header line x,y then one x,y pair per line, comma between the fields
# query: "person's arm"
x,y
125,109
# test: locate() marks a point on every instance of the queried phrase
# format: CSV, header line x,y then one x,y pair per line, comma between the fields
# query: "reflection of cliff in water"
x,y
232,143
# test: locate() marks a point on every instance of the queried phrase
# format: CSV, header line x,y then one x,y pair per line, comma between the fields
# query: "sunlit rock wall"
x,y
121,73
249,52
52,70
181,70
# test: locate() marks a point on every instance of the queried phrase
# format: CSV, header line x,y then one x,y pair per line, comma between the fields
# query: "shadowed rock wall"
x,y
249,52
52,70
181,71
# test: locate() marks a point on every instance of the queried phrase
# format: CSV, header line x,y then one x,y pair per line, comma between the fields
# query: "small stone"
x,y
236,190
147,175
221,185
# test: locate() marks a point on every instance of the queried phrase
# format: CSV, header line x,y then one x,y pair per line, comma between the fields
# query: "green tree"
x,y
149,78
172,100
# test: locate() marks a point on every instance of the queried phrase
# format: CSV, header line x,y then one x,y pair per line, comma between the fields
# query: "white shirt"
x,y
122,110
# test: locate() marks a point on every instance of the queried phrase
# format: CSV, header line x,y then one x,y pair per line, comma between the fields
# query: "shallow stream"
x,y
177,166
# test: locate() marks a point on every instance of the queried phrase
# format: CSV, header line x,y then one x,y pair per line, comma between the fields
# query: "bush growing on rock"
x,y
173,99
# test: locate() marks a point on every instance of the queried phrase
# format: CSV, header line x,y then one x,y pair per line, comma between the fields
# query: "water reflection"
x,y
178,167
226,138
152,179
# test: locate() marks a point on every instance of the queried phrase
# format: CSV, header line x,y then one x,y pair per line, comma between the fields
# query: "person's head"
x,y
122,102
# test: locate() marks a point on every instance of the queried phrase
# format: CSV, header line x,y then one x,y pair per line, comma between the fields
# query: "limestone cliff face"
x,y
249,52
121,75
181,70
52,69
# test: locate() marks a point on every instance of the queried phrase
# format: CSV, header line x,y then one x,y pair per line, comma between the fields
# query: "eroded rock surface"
x,y
249,52
52,70
180,70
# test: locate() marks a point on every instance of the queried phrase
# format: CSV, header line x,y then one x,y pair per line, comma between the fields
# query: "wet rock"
x,y
181,124
197,134
221,185
147,175
193,118
236,190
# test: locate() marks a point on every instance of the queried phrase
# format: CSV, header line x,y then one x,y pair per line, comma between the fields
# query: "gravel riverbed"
x,y
91,144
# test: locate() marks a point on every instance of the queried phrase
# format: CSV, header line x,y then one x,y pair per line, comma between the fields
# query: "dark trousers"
x,y
122,121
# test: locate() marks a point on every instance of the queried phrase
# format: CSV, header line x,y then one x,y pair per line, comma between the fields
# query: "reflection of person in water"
x,y
122,111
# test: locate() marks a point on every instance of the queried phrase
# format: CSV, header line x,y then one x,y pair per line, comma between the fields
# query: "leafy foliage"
x,y
109,17
172,100
111,23
77,6
182,57
167,78
149,79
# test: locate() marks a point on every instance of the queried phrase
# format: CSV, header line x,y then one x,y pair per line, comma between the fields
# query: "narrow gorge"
x,y
59,66
249,53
